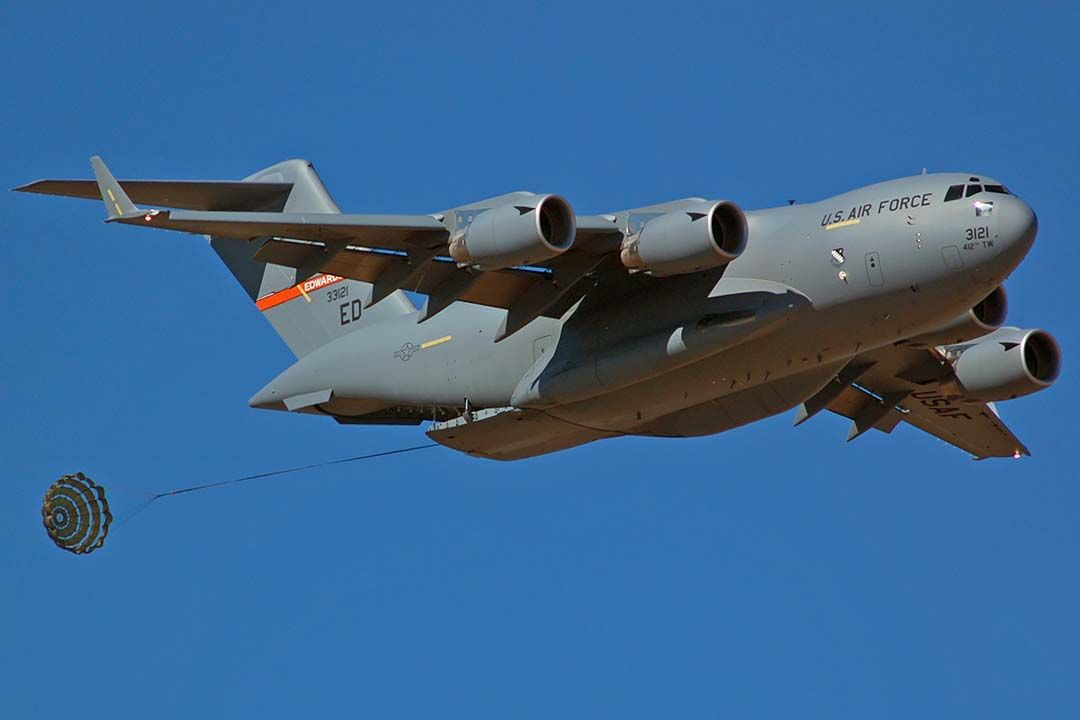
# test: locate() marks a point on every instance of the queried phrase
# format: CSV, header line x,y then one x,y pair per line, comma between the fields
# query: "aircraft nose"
x,y
1019,225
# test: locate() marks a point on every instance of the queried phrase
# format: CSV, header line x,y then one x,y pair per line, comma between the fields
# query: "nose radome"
x,y
1017,223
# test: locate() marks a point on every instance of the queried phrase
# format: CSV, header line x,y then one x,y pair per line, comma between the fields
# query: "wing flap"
x,y
853,402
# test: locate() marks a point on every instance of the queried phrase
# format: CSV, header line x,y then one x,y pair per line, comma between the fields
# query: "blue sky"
x,y
766,572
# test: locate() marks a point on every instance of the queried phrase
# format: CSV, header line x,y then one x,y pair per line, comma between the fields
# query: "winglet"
x,y
117,204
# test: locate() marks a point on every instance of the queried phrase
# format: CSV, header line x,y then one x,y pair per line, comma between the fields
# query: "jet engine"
x,y
1007,364
525,232
695,238
987,315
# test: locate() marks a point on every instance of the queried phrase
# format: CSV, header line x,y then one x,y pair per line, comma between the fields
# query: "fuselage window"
x,y
973,190
955,192
999,189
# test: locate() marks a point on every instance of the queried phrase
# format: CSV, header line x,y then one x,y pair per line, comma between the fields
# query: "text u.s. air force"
x,y
890,205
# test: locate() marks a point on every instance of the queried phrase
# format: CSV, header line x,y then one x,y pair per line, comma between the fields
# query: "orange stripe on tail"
x,y
291,293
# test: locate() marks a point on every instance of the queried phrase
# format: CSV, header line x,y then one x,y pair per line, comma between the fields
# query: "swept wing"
x,y
880,389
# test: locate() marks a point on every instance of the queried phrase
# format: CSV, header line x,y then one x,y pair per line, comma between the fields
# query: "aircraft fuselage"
x,y
861,270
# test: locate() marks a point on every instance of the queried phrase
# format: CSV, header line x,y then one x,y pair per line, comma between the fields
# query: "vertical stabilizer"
x,y
321,308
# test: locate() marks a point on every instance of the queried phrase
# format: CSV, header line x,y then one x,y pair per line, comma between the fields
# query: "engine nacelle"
x,y
1009,363
525,232
987,315
699,237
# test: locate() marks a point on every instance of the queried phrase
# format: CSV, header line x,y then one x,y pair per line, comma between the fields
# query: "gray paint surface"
x,y
820,289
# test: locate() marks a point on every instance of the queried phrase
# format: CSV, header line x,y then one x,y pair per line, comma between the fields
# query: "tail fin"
x,y
320,309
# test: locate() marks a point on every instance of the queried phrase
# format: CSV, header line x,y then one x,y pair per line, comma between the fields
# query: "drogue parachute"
x,y
76,514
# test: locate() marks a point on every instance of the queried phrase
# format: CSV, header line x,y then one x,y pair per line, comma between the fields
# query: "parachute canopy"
x,y
76,514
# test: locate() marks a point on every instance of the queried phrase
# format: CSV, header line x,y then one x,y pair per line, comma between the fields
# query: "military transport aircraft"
x,y
543,329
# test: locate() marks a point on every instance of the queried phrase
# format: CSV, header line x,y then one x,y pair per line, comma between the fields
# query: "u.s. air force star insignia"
x,y
406,351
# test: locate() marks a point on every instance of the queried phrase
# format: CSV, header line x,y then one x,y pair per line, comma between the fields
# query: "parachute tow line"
x,y
77,517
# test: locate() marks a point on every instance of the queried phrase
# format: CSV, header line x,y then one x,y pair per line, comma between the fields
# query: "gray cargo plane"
x,y
543,329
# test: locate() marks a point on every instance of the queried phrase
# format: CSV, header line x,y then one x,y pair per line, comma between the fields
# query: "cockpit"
x,y
974,187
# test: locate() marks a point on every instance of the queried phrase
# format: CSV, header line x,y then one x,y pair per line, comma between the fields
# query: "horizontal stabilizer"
x,y
185,194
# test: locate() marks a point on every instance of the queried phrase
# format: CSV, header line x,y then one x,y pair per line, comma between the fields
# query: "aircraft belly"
x,y
512,434
738,400
742,407
814,347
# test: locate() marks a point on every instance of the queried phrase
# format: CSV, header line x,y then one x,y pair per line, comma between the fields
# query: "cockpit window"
x,y
955,192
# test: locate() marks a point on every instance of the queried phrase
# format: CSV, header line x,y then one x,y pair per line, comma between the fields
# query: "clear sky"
x,y
767,572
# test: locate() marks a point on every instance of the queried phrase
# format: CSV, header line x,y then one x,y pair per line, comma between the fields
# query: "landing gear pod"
x,y
696,238
526,232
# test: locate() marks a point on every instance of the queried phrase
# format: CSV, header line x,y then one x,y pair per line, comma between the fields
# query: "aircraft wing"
x,y
880,389
407,252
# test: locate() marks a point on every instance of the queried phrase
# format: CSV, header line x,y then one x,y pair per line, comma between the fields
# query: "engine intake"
x,y
525,232
696,238
1007,364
